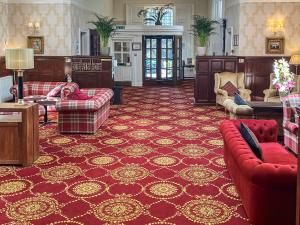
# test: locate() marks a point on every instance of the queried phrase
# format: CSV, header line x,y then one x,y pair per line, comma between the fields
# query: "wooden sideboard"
x,y
19,134
257,74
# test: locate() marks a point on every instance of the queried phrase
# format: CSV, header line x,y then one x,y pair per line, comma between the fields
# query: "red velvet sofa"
x,y
266,187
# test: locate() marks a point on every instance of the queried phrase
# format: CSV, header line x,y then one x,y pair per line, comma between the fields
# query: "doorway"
x,y
162,57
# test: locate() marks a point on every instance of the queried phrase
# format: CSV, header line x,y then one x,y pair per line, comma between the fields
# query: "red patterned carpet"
x,y
157,160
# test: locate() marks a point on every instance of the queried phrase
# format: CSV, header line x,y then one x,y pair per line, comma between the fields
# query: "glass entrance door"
x,y
158,58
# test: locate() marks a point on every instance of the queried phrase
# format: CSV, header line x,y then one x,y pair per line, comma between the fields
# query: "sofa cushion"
x,y
276,154
251,140
238,100
78,95
55,92
230,88
292,127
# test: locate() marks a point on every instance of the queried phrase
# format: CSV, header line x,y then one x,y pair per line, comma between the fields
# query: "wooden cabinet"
x,y
206,67
19,134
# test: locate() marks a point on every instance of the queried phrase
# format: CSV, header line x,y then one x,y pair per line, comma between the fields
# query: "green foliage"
x,y
158,16
202,28
105,27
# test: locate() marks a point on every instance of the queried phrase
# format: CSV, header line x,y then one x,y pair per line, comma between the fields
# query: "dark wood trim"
x,y
257,74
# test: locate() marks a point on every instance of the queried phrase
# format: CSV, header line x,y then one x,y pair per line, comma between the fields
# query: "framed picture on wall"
x,y
37,43
275,45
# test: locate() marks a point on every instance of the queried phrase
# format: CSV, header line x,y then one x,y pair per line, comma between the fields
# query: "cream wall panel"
x,y
3,27
253,26
55,20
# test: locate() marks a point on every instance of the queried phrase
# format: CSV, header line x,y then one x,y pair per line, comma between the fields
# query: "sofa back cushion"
x,y
251,140
40,87
264,130
226,77
230,88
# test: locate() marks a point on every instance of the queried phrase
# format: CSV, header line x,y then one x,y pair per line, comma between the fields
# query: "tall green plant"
x,y
159,14
105,27
202,28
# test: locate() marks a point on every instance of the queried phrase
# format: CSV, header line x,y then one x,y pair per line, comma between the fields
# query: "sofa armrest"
x,y
245,91
260,173
15,91
221,92
68,89
270,93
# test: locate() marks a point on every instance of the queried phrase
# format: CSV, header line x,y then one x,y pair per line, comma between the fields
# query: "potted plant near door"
x,y
202,28
105,27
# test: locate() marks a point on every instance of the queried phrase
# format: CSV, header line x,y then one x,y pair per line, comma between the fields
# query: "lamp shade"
x,y
19,58
295,60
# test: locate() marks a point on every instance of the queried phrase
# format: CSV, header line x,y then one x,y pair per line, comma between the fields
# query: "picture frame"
x,y
36,43
275,45
136,46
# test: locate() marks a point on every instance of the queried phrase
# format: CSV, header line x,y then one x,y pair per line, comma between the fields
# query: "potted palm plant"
x,y
202,28
158,14
105,27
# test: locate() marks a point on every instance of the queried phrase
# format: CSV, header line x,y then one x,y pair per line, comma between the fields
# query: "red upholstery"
x,y
267,189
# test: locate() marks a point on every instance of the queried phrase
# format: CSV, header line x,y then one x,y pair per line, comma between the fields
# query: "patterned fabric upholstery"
x,y
43,88
291,121
84,116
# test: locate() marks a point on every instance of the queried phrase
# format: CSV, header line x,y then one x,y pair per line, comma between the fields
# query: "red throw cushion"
x,y
55,92
230,88
276,154
78,95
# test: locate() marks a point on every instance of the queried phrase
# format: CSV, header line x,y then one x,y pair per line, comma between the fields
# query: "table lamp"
x,y
19,59
295,60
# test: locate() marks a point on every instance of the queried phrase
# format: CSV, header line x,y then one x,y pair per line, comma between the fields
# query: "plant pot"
x,y
201,51
105,51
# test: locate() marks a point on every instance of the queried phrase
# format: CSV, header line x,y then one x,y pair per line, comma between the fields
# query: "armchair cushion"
x,y
230,88
275,154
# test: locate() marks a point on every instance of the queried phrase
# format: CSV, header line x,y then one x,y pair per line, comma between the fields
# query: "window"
x,y
166,21
217,9
122,52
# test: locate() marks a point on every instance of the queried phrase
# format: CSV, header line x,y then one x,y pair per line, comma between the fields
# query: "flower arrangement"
x,y
159,13
284,79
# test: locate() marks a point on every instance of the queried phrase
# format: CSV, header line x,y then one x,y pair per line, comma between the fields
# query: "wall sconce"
x,y
276,26
34,26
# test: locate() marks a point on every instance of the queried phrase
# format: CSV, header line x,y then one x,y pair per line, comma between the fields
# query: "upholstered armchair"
x,y
272,95
237,79
291,121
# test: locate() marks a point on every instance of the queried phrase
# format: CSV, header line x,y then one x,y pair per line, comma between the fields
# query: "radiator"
x,y
5,84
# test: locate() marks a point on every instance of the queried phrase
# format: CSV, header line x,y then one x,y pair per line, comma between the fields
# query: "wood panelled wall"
x,y
52,68
257,74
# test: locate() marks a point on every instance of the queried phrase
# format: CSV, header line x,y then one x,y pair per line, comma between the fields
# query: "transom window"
x,y
167,19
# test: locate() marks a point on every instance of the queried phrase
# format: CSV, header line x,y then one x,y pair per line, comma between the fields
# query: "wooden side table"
x,y
19,134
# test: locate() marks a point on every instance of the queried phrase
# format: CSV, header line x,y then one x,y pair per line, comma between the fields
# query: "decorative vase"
x,y
105,51
201,51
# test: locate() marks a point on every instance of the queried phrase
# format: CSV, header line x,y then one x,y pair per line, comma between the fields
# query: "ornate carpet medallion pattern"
x,y
157,160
